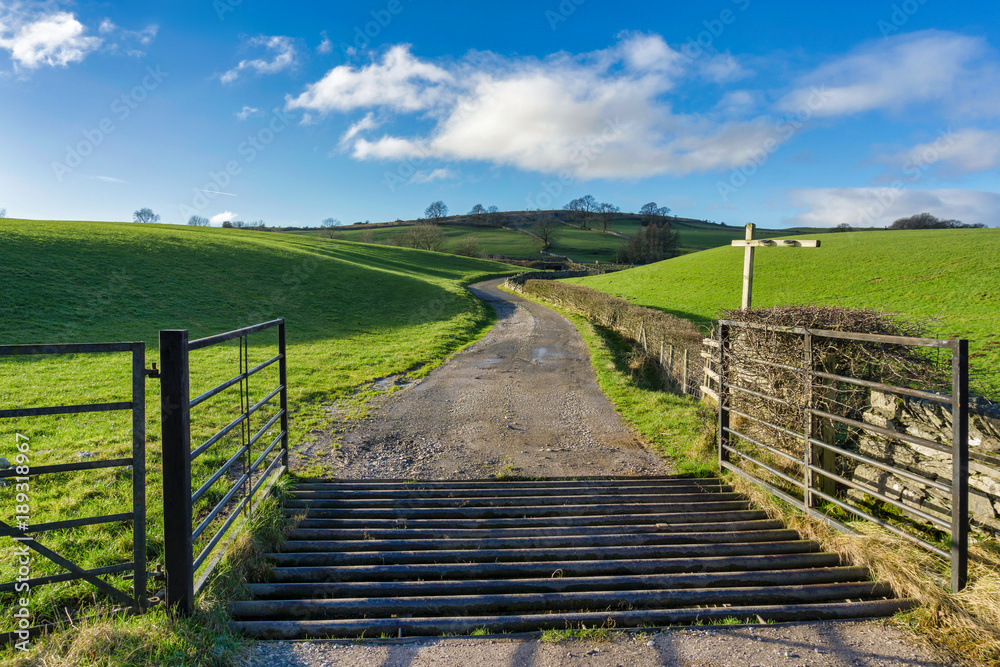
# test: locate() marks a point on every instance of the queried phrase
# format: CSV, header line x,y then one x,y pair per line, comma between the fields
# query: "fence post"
x,y
139,476
960,465
283,380
723,394
684,372
175,407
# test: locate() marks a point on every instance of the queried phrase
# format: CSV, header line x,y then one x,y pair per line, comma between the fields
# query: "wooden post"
x,y
684,376
175,407
749,244
748,268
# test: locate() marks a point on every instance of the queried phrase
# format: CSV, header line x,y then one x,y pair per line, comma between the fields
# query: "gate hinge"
x,y
153,372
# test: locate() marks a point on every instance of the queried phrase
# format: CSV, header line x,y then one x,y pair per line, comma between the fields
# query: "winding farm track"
x,y
523,399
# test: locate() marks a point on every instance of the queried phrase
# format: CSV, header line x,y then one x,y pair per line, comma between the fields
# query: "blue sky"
x,y
732,110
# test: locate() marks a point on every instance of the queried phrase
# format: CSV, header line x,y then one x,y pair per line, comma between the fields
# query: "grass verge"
x,y
966,625
156,637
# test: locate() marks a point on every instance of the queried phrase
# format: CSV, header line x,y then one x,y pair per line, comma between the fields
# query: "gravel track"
x,y
521,400
524,400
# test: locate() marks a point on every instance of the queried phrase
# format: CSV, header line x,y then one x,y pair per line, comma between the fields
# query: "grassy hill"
x,y
354,313
579,244
950,276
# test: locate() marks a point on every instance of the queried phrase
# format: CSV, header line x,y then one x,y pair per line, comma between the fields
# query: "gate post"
x,y
175,408
960,465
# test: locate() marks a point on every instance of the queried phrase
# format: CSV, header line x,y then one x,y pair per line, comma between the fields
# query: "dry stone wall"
x,y
932,421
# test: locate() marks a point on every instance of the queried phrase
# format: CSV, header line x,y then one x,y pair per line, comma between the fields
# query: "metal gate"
x,y
22,475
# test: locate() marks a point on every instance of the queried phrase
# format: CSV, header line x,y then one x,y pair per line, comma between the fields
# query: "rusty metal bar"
x,y
283,381
871,428
271,629
66,409
773,450
69,523
232,335
139,476
724,399
70,467
65,348
777,473
930,518
889,468
809,423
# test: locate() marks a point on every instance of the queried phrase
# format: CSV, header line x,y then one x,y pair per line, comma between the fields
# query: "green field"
x,y
354,313
949,277
493,241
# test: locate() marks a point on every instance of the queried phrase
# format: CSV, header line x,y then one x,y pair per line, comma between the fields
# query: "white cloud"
x,y
723,68
400,81
225,216
284,57
247,112
879,207
596,115
55,39
326,46
366,123
890,74
427,177
959,152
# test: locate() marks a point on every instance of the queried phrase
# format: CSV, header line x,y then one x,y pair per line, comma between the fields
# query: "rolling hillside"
x,y
354,313
580,245
951,277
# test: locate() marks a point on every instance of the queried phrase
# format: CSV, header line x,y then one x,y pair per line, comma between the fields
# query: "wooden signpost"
x,y
750,244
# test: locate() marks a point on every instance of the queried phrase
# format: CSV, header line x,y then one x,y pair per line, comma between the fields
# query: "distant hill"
x,y
508,233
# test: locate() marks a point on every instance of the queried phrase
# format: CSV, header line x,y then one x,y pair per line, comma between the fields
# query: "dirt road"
x,y
524,400
521,400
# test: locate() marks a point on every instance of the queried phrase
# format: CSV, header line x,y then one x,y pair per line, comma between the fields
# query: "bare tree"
x,y
198,221
146,215
493,216
330,222
469,246
584,208
607,212
545,229
436,210
424,236
842,227
3,213
477,210
650,212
